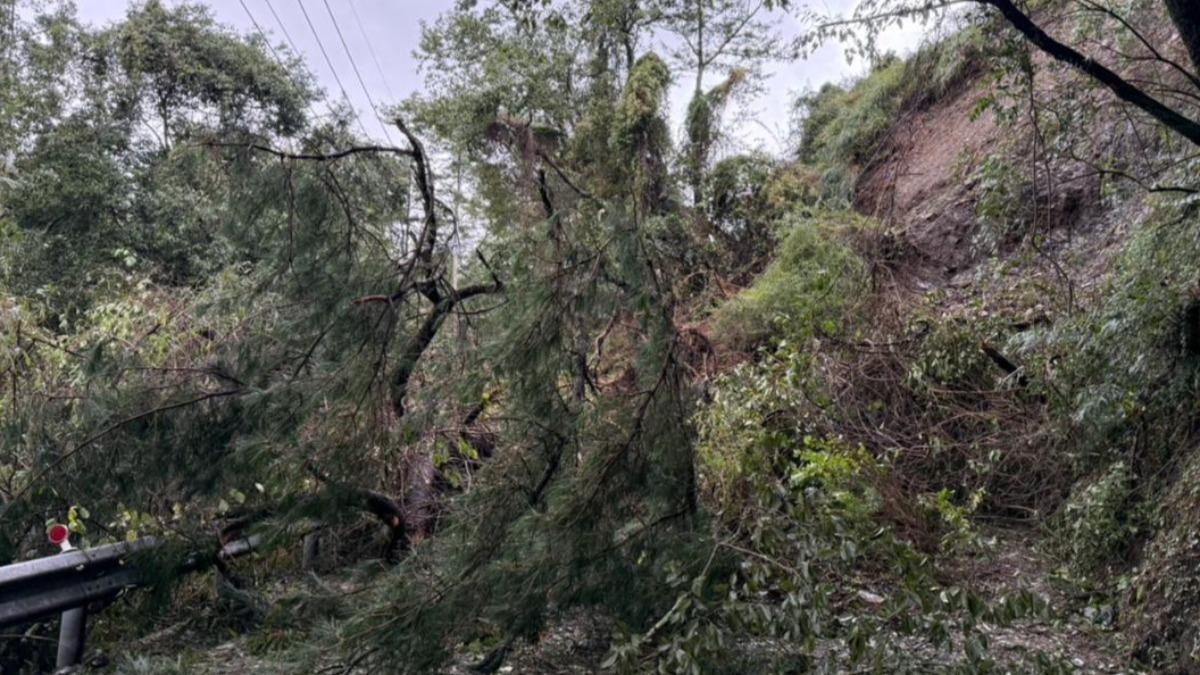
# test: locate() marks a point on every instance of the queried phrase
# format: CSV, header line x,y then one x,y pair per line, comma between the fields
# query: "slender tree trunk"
x,y
630,51
699,47
166,125
697,151
698,158
312,550
1186,16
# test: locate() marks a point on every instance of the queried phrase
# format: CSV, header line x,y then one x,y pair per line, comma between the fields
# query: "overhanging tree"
x,y
874,15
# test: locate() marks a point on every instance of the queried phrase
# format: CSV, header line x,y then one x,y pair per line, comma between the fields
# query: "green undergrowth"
x,y
1129,378
825,582
835,570
1159,602
805,290
1081,421
1120,377
1096,524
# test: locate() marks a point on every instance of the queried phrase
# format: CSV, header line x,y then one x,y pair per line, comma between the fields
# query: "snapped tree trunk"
x,y
1186,16
416,345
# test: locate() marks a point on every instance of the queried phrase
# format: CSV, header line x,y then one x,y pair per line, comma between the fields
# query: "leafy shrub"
x,y
843,472
739,434
1003,209
953,520
1094,523
842,126
950,356
803,292
755,428
791,186
737,203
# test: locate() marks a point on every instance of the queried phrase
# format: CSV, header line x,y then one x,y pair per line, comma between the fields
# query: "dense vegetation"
x,y
910,398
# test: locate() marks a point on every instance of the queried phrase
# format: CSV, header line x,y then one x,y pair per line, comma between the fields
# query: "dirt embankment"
x,y
919,180
929,182
1051,167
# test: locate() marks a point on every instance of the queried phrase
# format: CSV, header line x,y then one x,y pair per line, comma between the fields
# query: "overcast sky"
x,y
387,31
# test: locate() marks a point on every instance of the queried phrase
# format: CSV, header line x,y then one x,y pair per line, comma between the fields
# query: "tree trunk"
x,y
1186,16
698,153
420,341
699,48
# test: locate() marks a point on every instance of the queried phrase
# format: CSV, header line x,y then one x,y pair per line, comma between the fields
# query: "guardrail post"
x,y
72,628
72,633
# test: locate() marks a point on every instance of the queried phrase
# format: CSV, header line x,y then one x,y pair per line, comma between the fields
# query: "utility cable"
x,y
357,74
329,62
371,49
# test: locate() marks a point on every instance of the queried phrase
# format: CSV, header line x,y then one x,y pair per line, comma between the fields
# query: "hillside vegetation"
x,y
549,386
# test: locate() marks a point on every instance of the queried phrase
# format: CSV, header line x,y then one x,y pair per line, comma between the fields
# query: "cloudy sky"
x,y
382,34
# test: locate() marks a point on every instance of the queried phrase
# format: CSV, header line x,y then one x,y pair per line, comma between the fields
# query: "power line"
x,y
329,62
357,74
283,27
378,68
274,52
385,166
10,39
262,33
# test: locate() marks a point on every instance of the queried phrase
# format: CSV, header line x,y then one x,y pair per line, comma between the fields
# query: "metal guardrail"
x,y
39,588
68,582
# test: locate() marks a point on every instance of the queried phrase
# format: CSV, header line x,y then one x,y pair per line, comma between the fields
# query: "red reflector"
x,y
58,534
